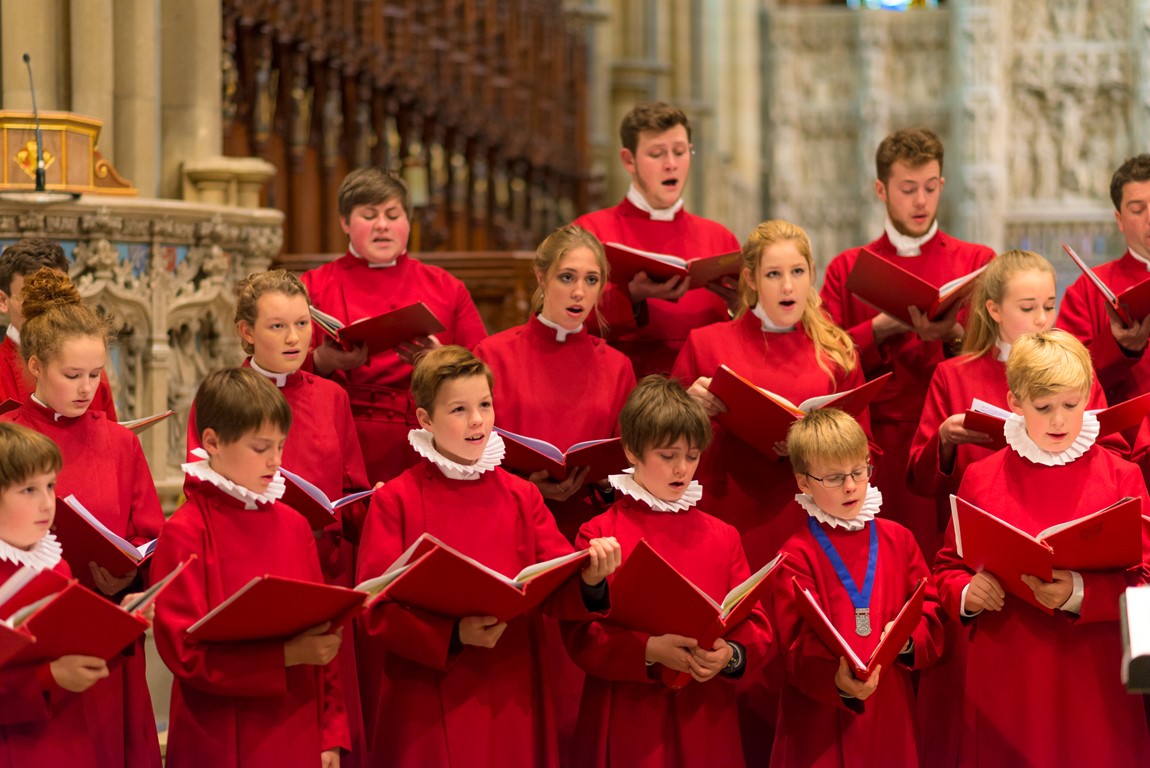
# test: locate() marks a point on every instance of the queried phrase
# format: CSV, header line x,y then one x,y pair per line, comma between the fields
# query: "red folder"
x,y
382,332
1130,306
1107,540
528,454
626,262
76,621
13,642
885,653
1116,418
85,541
889,288
141,425
438,578
761,418
275,608
648,594
313,503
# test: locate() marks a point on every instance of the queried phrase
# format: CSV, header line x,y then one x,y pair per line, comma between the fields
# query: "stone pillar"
x,y
92,46
1141,34
190,122
136,151
874,110
33,27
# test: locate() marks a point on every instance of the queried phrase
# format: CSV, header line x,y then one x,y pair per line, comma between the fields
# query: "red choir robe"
x,y
40,722
628,718
349,289
461,706
104,466
236,704
895,413
817,726
16,383
536,378
1044,689
651,334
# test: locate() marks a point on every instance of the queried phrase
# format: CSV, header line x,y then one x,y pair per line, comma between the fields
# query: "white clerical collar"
x,y
1128,250
1003,349
1024,445
872,502
279,379
561,333
56,416
629,486
769,326
202,470
43,555
13,334
424,444
372,265
905,245
657,214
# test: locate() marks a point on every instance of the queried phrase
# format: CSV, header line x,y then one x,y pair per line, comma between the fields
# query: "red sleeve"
x,y
26,694
1083,315
466,327
753,633
566,603
836,300
1102,589
146,517
925,474
950,574
686,367
928,636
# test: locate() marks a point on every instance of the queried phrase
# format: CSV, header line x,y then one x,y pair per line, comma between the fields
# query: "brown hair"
x,y
27,256
552,250
825,434
659,412
831,342
654,116
54,312
1135,168
1043,364
992,284
371,186
236,401
249,290
24,453
440,365
913,147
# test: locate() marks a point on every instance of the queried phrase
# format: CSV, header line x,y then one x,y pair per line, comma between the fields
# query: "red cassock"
x,y
818,727
104,466
564,392
895,413
1041,689
625,717
237,704
742,486
349,289
41,723
16,383
652,339
473,706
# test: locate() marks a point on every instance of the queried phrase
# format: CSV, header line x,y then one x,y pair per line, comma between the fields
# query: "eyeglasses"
x,y
836,481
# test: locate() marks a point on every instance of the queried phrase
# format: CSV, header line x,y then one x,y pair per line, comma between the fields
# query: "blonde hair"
x,y
826,434
440,365
552,250
54,312
992,284
831,342
1043,364
659,412
249,290
24,453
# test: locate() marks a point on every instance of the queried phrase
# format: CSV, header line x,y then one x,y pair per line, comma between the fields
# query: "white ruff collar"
x,y
872,502
1003,350
201,470
372,265
657,214
279,379
424,444
906,245
768,326
627,485
1128,250
1024,446
43,555
561,333
13,334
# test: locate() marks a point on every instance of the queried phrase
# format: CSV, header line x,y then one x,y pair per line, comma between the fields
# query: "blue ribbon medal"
x,y
860,599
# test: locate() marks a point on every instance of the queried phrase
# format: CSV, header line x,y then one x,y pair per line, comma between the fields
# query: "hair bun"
x,y
45,289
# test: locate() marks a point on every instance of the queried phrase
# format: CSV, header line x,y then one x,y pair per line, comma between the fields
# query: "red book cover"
x,y
312,503
528,454
275,608
648,594
990,419
1106,540
889,288
26,586
449,583
76,621
626,262
86,540
1124,415
382,332
885,653
147,422
761,418
1130,306
13,642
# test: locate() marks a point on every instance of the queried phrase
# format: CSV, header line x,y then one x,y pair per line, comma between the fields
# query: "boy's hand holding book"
x,y
481,631
984,594
314,646
706,664
701,391
642,287
852,686
78,673
945,328
109,584
672,651
1132,339
1054,594
330,356
606,556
